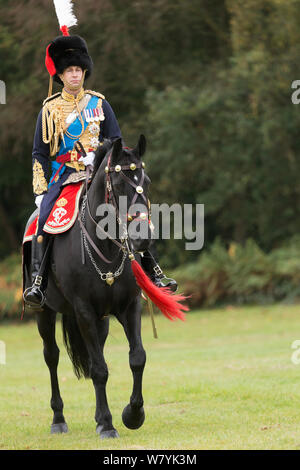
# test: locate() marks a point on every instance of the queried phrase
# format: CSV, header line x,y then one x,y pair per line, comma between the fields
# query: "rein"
x,y
109,196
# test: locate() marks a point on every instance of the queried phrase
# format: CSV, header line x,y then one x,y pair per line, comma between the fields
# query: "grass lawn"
x,y
224,379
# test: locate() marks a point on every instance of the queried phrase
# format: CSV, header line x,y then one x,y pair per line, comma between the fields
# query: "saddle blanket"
x,y
31,231
63,213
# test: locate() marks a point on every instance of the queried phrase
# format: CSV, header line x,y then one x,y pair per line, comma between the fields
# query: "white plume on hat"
x,y
64,13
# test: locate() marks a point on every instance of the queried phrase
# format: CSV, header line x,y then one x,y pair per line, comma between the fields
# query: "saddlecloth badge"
x,y
62,202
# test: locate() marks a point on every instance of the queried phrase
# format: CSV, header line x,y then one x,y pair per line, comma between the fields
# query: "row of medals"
x,y
93,116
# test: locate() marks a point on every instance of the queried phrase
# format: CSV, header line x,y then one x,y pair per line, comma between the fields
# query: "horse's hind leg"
x,y
46,325
133,414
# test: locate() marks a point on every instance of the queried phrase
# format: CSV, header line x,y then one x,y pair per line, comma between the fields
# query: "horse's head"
x,y
126,186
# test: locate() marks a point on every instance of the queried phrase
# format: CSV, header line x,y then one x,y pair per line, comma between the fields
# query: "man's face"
x,y
71,77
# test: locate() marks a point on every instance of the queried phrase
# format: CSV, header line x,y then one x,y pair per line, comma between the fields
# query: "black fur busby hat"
x,y
66,50
69,50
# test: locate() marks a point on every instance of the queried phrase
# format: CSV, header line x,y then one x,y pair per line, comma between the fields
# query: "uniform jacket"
x,y
60,123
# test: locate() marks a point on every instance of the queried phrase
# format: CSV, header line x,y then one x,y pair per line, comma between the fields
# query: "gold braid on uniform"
x,y
39,182
75,100
52,125
53,118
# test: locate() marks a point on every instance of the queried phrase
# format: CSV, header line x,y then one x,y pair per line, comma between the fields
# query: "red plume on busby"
x,y
67,49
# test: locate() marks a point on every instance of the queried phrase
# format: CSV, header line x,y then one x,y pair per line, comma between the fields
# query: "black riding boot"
x,y
155,272
34,296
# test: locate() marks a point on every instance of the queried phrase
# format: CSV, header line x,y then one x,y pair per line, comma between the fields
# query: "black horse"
x,y
90,279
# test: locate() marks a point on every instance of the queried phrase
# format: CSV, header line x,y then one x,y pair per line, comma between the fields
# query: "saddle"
x,y
62,215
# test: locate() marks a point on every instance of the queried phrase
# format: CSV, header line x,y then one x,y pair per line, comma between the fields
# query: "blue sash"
x,y
74,129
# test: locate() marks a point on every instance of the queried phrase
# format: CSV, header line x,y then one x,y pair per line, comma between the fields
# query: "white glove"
x,y
38,200
88,160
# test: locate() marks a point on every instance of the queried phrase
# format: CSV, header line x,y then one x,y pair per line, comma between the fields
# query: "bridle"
x,y
109,189
124,243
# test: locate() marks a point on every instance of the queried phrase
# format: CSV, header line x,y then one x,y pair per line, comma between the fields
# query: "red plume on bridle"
x,y
165,300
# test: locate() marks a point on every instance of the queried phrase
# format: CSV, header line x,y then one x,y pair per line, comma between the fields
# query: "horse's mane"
x,y
100,154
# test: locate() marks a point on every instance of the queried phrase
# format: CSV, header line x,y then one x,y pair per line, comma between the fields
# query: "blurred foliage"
x,y
229,138
11,288
242,274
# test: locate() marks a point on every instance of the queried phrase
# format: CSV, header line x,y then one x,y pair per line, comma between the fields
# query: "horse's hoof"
x,y
59,428
133,418
111,434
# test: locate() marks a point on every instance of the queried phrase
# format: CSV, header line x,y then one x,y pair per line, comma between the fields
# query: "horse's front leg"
x,y
133,415
46,325
94,332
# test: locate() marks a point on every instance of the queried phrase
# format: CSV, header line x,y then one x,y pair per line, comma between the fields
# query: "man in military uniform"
x,y
62,121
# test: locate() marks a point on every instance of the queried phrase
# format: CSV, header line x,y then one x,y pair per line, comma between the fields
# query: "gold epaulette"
x,y
95,93
56,95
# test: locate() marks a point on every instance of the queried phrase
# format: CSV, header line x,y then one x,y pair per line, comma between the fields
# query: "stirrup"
x,y
170,283
165,281
160,280
36,285
30,304
158,274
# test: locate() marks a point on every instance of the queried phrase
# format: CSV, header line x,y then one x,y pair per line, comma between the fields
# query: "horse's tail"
x,y
75,346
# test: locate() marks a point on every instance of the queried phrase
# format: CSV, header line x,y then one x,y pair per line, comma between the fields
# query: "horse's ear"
x,y
117,149
141,146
